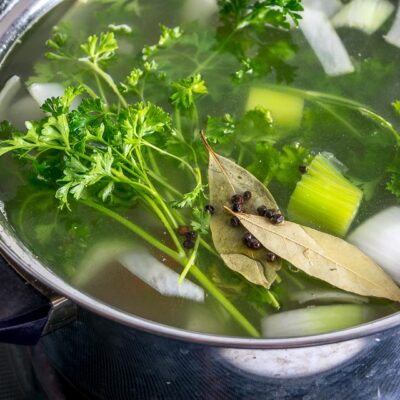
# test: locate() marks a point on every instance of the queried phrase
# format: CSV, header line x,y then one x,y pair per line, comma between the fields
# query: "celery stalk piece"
x,y
365,15
324,198
316,320
286,109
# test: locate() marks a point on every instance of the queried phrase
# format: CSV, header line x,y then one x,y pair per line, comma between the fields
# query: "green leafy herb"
x,y
244,13
186,89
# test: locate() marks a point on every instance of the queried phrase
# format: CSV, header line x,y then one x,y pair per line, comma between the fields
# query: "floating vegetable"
x,y
393,36
43,91
161,278
328,8
324,198
365,15
326,43
323,296
315,320
379,238
10,89
286,108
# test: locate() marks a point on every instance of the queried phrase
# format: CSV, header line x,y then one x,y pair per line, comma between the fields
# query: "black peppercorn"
x,y
262,210
277,219
255,244
237,207
191,235
303,168
188,244
246,195
237,198
247,236
270,212
209,208
183,230
235,222
271,257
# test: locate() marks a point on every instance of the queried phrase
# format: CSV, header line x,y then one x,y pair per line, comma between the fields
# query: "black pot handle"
x,y
26,314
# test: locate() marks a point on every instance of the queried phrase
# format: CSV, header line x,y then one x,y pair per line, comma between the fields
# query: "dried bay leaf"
x,y
225,179
323,256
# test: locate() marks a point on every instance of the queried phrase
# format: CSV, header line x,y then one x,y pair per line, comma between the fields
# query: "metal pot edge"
x,y
18,18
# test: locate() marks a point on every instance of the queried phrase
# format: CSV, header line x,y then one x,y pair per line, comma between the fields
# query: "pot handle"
x,y
26,314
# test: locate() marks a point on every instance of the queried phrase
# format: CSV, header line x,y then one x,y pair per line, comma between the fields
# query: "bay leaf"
x,y
225,178
323,256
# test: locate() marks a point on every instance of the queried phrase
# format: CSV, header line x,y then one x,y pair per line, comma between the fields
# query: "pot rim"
x,y
18,18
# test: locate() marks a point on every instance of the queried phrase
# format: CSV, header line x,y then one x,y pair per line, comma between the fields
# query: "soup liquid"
x,y
90,251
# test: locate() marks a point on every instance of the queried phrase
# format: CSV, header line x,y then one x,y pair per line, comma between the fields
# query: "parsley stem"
x,y
190,261
100,87
134,228
106,77
166,153
217,294
215,53
194,270
165,222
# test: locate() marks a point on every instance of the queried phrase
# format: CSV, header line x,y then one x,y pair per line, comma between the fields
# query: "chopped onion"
x,y
317,297
326,43
379,238
328,7
25,109
393,36
195,10
7,94
43,91
365,15
161,278
316,320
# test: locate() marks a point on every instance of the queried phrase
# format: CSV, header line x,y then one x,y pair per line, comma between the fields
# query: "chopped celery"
x,y
365,15
316,320
324,198
286,108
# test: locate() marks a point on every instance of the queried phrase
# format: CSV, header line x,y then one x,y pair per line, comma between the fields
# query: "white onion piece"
x,y
315,320
379,238
195,10
328,7
393,36
161,278
25,109
7,94
326,43
327,297
365,15
43,91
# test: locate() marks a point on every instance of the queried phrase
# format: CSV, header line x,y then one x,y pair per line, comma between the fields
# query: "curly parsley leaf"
x,y
185,91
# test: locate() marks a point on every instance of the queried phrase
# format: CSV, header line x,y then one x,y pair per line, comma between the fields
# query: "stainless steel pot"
x,y
113,355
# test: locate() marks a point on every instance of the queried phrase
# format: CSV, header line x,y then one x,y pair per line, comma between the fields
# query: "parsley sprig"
x,y
114,140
